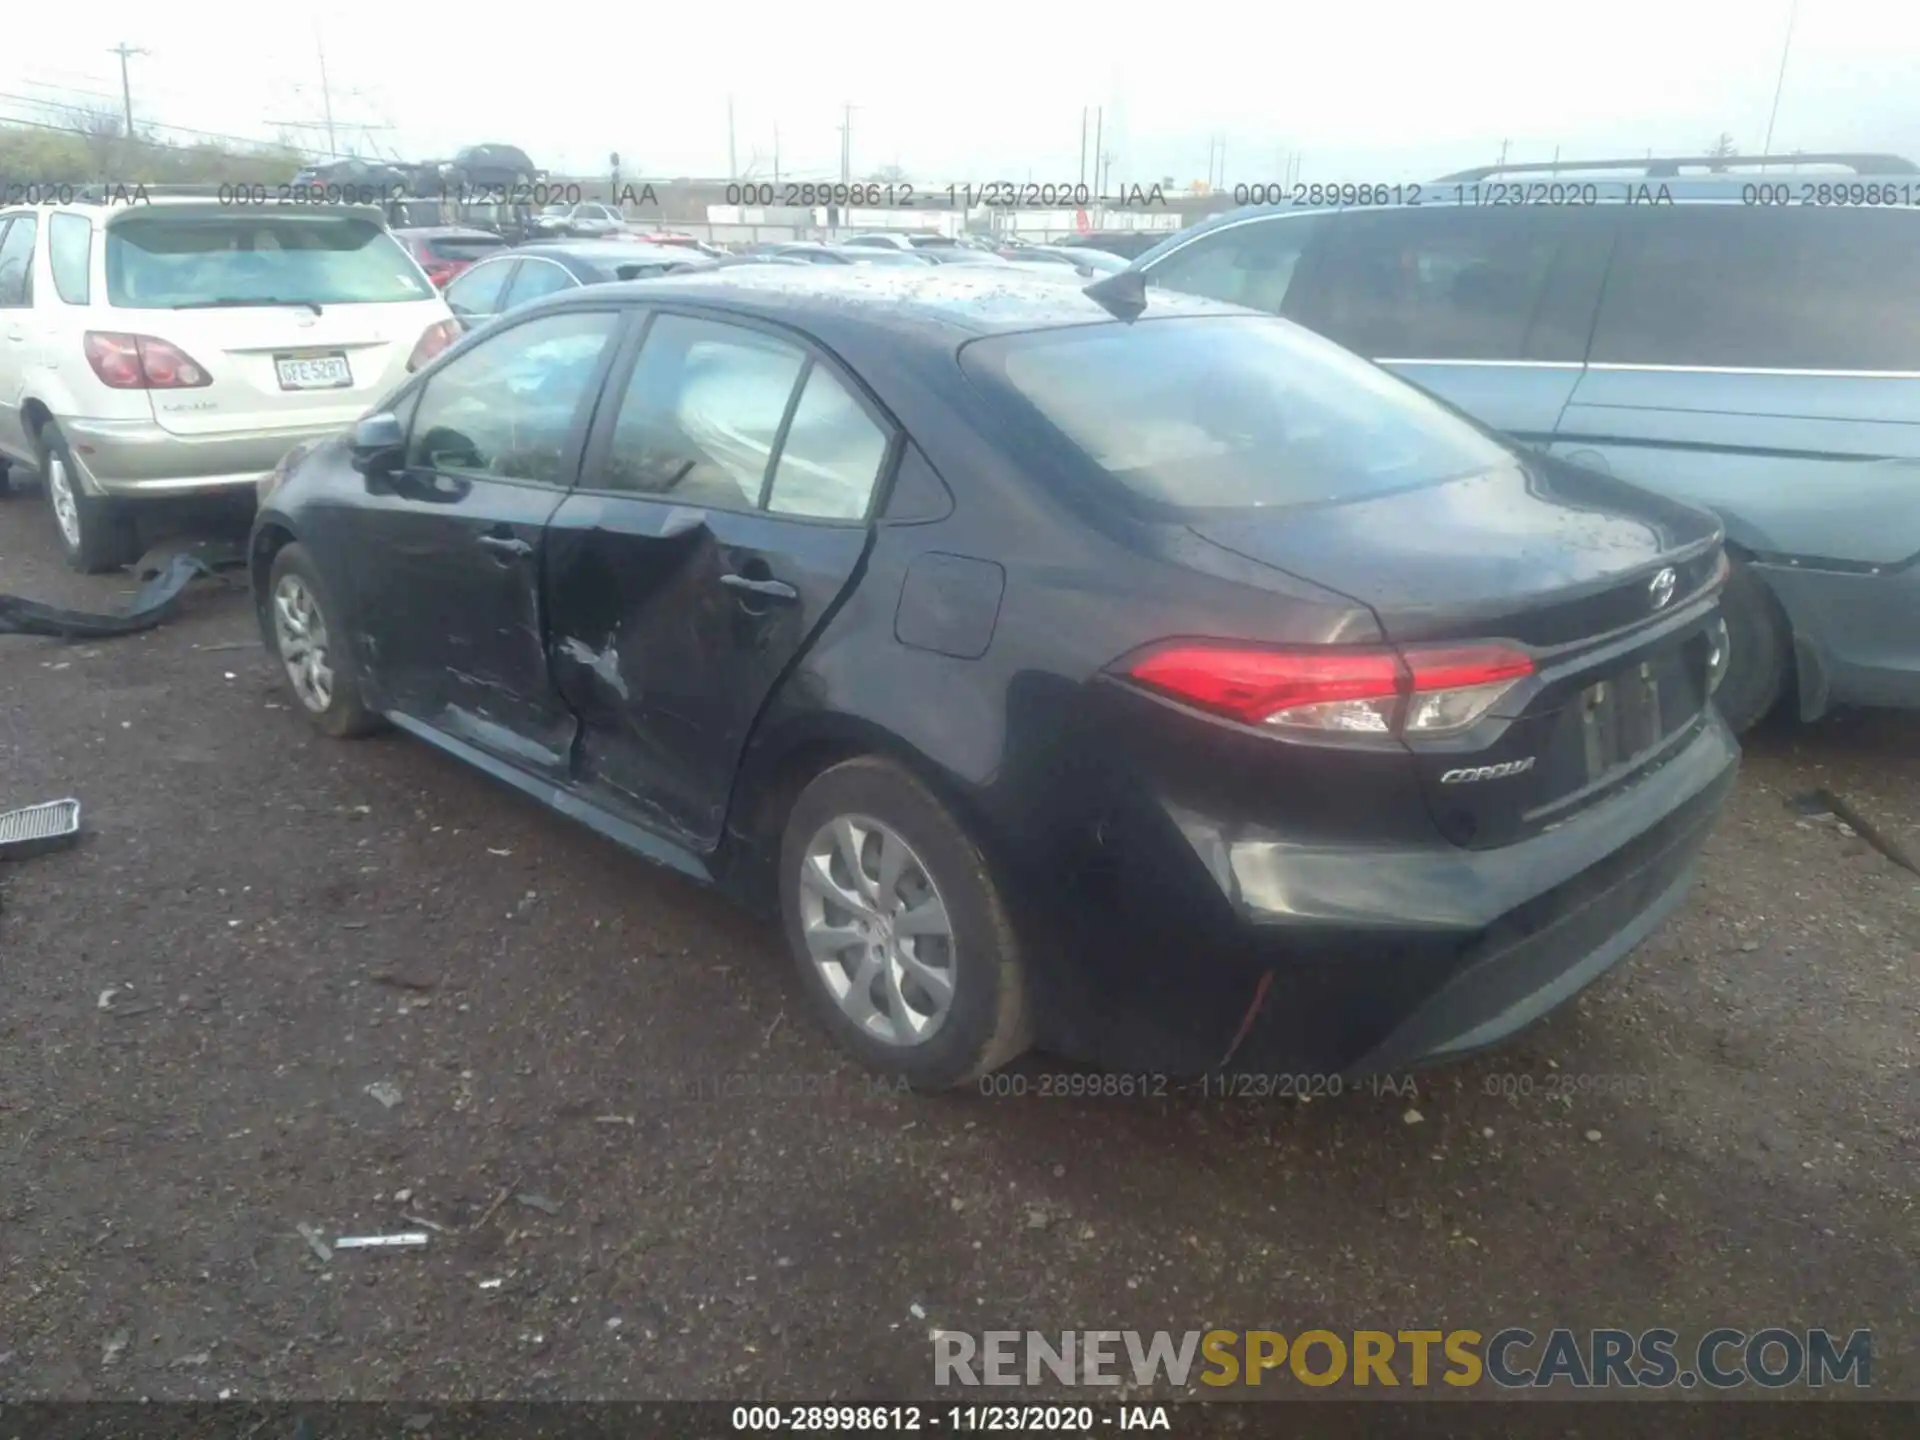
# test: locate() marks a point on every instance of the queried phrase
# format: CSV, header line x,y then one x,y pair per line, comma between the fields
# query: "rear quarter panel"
x,y
1815,467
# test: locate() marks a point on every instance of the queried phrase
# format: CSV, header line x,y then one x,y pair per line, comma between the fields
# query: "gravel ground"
x,y
648,1175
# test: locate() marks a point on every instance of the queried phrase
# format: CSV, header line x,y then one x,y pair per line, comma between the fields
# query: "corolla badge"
x,y
1660,589
1487,772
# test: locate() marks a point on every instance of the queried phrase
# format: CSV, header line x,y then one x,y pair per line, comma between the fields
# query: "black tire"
x,y
1760,651
987,1022
6,480
103,535
346,714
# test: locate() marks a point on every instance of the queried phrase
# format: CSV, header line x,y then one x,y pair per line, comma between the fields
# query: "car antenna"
x,y
1122,295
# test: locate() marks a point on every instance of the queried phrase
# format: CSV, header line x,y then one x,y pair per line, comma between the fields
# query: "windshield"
x,y
1233,412
156,261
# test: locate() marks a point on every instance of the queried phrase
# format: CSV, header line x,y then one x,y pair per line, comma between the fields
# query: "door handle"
x,y
765,589
506,547
16,333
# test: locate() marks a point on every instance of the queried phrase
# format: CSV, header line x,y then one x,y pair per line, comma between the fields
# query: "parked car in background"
x,y
378,179
676,240
1127,244
512,278
445,250
1080,257
493,167
811,252
727,260
179,348
901,240
1722,346
588,220
1154,692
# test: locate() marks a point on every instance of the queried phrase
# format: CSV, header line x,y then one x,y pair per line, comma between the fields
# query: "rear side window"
x,y
1252,264
831,456
537,278
157,261
478,291
1791,288
16,261
1455,282
1232,412
70,254
702,413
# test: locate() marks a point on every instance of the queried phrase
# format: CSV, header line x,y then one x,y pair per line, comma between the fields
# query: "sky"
x,y
959,92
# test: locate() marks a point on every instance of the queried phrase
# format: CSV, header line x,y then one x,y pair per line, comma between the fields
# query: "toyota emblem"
x,y
1660,589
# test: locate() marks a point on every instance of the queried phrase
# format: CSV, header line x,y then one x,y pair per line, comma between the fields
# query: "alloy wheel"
x,y
300,632
877,930
66,510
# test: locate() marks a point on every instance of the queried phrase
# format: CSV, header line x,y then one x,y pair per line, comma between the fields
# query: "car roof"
x,y
1570,186
606,252
449,232
937,305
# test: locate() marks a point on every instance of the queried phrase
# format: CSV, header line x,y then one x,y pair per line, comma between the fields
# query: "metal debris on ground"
x,y
399,982
1869,832
405,1240
538,1202
311,1235
154,603
36,829
388,1095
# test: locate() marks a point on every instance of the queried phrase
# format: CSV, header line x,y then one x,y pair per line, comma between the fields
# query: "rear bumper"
x,y
137,458
1365,961
1856,636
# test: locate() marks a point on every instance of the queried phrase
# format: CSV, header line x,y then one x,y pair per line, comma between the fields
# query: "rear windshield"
x,y
156,261
1233,412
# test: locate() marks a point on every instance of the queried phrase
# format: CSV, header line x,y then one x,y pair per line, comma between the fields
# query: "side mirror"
x,y
378,445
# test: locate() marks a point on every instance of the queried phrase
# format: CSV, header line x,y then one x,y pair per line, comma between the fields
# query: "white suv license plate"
x,y
313,372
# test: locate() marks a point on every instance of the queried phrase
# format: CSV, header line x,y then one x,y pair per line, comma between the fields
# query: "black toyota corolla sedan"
x,y
1162,686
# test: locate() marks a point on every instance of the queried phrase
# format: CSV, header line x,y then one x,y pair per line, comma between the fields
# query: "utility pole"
x,y
123,50
1083,144
733,164
1786,49
846,142
1099,125
326,95
1503,154
776,152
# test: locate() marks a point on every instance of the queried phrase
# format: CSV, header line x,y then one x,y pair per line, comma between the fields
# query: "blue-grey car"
x,y
1746,341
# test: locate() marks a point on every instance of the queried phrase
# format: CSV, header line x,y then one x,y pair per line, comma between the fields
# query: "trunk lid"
x,y
299,316
1571,565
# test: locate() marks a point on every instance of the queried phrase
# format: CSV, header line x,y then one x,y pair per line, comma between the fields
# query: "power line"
x,y
235,140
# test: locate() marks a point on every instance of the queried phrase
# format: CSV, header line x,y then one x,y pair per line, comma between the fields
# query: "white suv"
x,y
181,347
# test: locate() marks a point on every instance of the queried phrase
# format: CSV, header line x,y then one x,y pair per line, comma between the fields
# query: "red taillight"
x,y
140,362
437,337
1426,691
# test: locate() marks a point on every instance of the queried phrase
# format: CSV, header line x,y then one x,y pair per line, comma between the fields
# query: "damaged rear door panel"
x,y
722,513
450,568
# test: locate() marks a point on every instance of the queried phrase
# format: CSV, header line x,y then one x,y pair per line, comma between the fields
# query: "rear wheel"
x,y
902,938
309,641
97,535
1760,654
6,479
